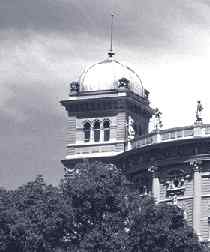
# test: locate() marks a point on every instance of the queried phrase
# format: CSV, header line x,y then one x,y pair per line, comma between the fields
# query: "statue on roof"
x,y
199,110
158,121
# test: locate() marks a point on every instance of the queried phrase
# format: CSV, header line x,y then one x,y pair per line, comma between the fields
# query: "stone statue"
x,y
131,130
157,115
199,112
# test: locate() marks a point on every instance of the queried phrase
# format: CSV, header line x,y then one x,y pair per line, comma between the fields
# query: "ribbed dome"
x,y
105,75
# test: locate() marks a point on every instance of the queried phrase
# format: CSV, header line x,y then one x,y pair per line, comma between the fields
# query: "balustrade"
x,y
173,134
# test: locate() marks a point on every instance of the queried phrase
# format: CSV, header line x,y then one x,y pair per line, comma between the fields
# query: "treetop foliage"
x,y
93,210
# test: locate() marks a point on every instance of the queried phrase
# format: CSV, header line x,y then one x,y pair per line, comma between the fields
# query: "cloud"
x,y
45,44
32,133
136,22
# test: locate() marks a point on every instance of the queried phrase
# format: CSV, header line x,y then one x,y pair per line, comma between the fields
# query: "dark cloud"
x,y
142,23
34,144
45,44
47,15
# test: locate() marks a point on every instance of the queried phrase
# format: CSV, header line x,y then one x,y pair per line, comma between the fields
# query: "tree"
x,y
109,216
162,228
93,210
34,218
98,197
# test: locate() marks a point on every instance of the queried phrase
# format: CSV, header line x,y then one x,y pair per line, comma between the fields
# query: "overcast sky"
x,y
45,44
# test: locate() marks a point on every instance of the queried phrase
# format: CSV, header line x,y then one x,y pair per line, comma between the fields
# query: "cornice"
x,y
117,104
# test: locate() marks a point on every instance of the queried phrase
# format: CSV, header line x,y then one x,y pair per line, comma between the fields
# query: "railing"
x,y
173,134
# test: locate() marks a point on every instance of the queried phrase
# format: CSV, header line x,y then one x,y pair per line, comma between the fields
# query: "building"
x,y
108,117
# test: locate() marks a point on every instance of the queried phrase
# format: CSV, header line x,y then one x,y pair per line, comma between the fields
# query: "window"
x,y
97,131
106,127
87,129
140,130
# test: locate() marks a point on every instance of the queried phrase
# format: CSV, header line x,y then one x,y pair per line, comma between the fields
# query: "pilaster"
x,y
155,183
196,165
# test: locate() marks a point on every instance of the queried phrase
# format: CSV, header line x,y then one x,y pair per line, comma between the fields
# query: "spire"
x,y
111,53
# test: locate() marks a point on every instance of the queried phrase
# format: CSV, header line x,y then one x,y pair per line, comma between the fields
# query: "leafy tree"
x,y
161,228
108,216
34,218
98,195
94,210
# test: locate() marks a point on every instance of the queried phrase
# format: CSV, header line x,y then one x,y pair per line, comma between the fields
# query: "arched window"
x,y
106,127
87,129
96,131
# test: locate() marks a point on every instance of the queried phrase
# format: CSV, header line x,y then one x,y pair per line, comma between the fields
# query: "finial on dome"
x,y
111,53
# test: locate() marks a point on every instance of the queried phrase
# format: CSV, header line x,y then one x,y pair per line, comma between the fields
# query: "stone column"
x,y
155,183
196,195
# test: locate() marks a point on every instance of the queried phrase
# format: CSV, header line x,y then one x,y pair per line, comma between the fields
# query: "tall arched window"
x,y
87,129
106,127
96,131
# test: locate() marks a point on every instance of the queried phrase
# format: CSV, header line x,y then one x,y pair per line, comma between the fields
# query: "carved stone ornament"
x,y
123,83
131,130
74,86
175,185
146,92
196,165
154,170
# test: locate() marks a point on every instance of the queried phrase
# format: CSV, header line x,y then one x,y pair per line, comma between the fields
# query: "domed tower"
x,y
107,109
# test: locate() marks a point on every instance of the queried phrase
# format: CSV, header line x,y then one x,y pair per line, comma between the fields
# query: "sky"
x,y
46,44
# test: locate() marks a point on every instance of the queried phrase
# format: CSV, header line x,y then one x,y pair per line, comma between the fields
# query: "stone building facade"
x,y
108,117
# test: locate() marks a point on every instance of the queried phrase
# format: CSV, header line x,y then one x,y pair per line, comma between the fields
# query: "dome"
x,y
105,75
